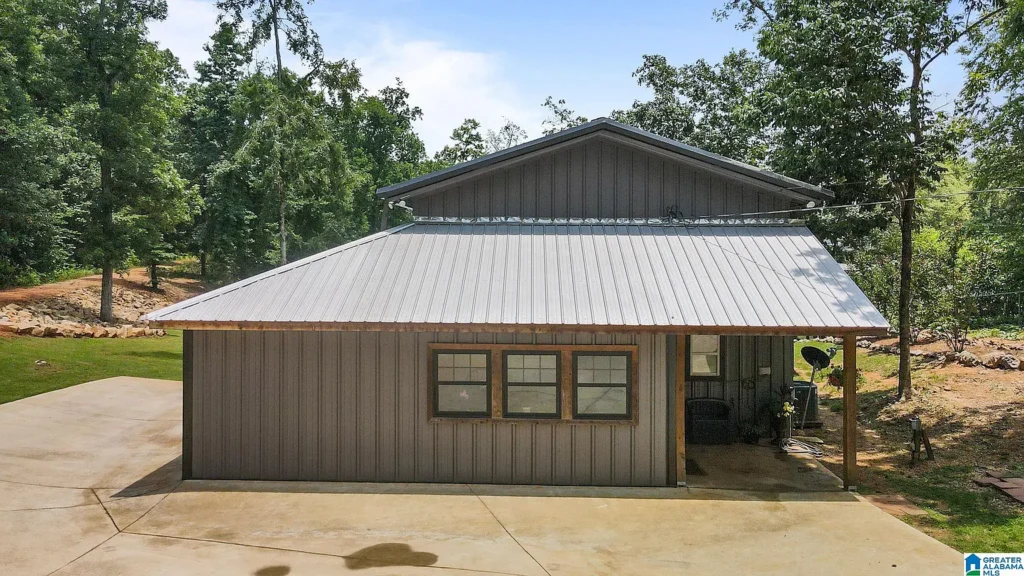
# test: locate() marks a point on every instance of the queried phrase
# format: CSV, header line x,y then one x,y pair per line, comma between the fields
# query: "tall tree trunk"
x,y
202,264
154,281
107,211
907,212
282,196
107,294
284,228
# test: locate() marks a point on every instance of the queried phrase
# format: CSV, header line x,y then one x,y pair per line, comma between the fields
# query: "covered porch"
x,y
738,466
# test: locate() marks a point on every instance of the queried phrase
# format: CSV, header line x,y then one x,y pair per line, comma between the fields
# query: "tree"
x,y
269,19
711,106
120,97
507,136
561,117
33,233
208,127
808,34
467,144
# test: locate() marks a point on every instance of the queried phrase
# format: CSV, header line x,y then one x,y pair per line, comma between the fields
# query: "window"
x,y
462,383
705,356
531,387
601,387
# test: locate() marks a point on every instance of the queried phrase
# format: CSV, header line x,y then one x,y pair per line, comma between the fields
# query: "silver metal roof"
x,y
619,276
810,191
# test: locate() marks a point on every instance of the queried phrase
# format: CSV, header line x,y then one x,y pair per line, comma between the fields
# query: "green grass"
x,y
966,517
72,361
885,364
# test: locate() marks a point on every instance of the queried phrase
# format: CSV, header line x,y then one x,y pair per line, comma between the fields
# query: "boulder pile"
x,y
66,318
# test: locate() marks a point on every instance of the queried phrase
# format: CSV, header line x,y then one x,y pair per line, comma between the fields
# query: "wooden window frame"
x,y
720,377
496,366
435,384
557,385
630,385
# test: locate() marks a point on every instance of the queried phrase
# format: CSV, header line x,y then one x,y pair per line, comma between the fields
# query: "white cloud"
x,y
449,83
188,26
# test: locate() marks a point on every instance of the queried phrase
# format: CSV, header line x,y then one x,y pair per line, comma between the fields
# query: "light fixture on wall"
x,y
400,204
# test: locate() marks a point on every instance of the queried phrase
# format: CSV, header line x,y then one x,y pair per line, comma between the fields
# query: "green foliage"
x,y
561,117
467,144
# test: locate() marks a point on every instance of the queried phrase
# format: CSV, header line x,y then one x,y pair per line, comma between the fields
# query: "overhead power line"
x,y
864,204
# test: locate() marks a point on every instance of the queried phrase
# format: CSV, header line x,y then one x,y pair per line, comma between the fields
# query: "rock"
x,y
42,363
1000,361
965,358
38,331
7,326
25,327
926,337
99,332
135,332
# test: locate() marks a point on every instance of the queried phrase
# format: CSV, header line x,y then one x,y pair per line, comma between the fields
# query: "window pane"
x,y
548,375
704,344
594,400
515,360
515,374
531,375
602,362
601,376
585,362
461,374
618,377
585,376
445,360
478,361
618,362
541,400
462,360
478,374
547,361
531,361
446,374
704,364
452,398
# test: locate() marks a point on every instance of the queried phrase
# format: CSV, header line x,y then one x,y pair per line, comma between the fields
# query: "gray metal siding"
x,y
352,406
598,178
741,386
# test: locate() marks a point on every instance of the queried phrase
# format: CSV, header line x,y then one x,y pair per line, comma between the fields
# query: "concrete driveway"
x,y
89,486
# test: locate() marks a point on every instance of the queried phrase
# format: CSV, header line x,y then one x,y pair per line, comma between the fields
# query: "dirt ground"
x,y
78,300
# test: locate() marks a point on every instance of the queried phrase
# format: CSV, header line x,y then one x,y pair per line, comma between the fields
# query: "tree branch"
x,y
759,5
967,30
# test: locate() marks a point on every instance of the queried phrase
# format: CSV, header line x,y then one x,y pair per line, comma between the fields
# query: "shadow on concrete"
x,y
277,570
159,481
388,554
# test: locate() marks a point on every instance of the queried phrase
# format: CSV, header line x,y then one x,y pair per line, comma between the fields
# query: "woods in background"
x,y
110,156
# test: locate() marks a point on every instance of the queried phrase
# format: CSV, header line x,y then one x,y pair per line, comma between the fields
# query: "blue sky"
x,y
495,60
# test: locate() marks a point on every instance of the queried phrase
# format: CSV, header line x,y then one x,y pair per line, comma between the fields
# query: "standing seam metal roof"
x,y
570,274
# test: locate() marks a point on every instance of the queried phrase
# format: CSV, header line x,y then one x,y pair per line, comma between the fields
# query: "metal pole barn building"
x,y
544,319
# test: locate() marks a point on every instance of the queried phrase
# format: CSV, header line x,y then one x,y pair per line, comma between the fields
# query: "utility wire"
x,y
863,204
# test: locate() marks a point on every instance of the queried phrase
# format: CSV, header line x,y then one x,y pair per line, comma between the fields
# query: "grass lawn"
x,y
72,361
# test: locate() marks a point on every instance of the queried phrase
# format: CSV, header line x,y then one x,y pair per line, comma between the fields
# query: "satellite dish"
x,y
817,358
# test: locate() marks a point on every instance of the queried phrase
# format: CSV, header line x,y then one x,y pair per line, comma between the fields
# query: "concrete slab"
x,y
455,529
104,434
89,485
154,556
587,536
749,467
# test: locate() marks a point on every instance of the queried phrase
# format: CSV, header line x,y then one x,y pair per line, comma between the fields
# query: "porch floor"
x,y
758,468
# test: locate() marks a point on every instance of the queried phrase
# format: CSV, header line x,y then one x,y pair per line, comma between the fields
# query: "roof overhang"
x,y
550,276
521,328
621,133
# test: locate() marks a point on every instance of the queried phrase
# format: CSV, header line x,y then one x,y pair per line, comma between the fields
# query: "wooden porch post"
x,y
849,411
680,410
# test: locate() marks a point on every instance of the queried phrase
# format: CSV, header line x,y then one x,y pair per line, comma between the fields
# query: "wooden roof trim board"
x,y
532,328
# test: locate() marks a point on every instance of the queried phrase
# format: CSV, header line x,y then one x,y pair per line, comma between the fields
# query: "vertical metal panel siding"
x,y
742,356
597,179
353,406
